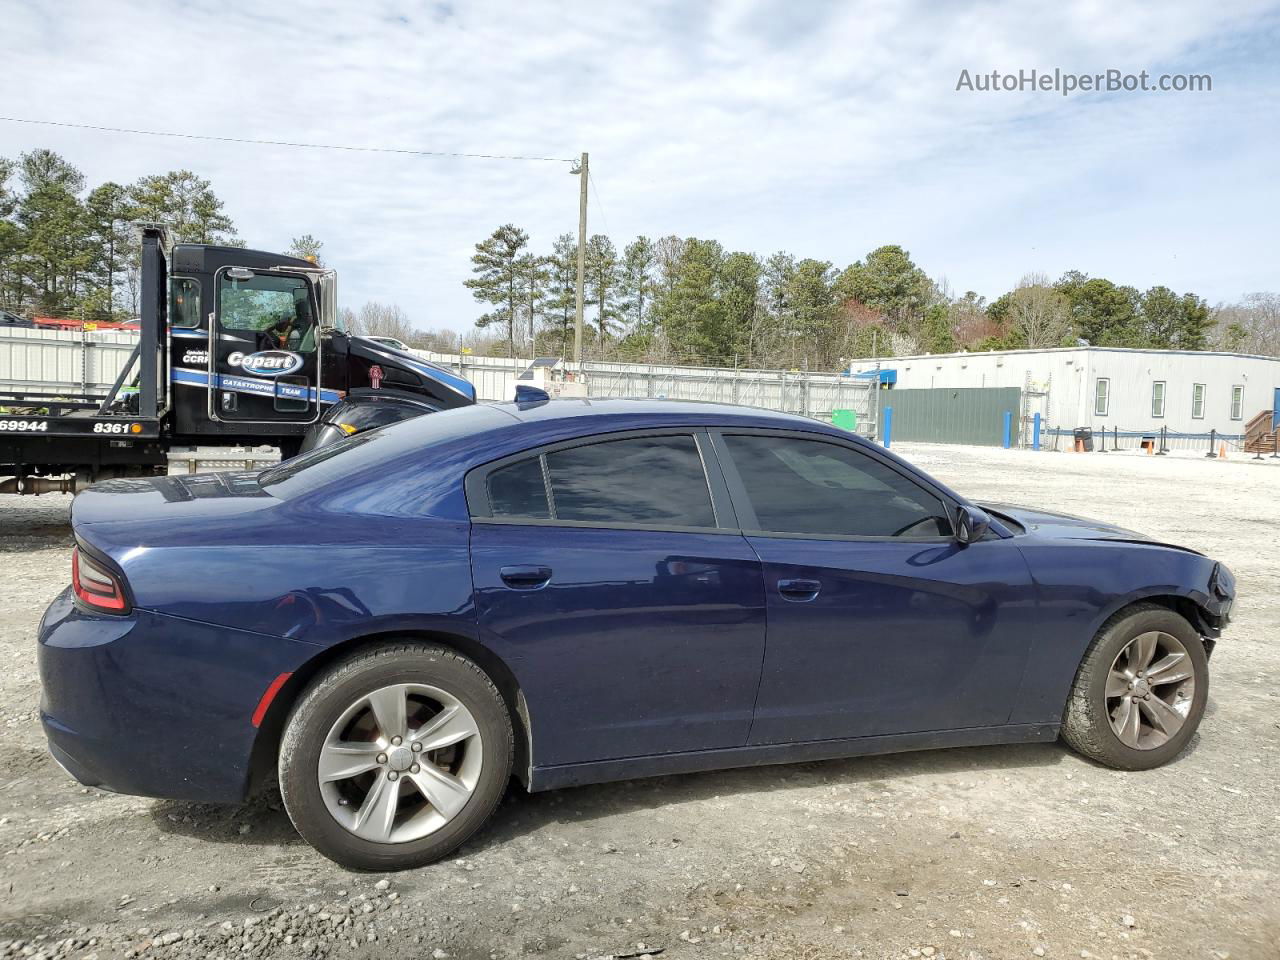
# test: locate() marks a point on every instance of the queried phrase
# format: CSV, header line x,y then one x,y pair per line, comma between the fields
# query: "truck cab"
x,y
256,351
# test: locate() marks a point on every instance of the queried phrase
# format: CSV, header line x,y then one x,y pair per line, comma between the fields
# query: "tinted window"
x,y
184,310
518,491
806,486
655,480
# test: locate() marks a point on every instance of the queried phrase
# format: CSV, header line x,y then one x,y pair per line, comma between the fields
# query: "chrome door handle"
x,y
799,591
522,576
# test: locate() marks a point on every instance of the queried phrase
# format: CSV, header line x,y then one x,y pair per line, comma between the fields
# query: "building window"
x,y
1157,398
1101,396
1237,402
1197,401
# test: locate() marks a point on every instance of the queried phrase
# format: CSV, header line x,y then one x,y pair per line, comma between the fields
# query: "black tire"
x,y
324,701
1086,726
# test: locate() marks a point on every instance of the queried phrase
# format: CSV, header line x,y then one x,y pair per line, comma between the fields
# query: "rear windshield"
x,y
366,451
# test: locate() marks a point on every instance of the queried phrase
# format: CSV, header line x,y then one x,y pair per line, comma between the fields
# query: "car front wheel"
x,y
1140,691
395,757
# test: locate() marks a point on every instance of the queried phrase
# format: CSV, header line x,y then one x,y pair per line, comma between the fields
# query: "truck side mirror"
x,y
971,523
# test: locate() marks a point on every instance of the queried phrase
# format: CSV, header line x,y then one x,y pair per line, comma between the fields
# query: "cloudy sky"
x,y
825,129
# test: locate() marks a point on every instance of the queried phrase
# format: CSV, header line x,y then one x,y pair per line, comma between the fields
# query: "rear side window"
x,y
823,489
519,491
655,481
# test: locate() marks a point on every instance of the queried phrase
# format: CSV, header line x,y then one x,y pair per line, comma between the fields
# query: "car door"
x,y
611,572
879,622
264,348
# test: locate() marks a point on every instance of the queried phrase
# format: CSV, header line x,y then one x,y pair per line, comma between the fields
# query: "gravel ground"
x,y
997,852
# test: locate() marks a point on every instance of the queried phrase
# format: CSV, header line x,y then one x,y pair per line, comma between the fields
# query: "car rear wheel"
x,y
396,756
1140,691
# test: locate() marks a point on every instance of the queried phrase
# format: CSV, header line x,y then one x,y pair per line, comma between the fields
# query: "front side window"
x,y
1101,396
276,309
652,481
1157,398
1197,401
824,489
1237,402
184,303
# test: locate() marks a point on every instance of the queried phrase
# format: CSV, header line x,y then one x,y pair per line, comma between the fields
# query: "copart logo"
x,y
267,363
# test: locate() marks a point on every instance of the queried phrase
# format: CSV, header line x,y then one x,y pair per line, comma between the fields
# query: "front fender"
x,y
1080,584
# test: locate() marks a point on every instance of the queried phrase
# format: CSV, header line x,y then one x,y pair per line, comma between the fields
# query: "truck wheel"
x,y
1140,690
395,756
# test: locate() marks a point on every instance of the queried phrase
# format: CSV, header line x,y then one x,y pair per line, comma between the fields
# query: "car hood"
x,y
1063,526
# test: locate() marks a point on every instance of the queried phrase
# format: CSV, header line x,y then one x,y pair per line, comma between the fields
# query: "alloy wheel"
x,y
1150,688
400,763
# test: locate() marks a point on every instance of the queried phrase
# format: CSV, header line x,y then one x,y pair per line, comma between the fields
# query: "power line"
x,y
287,143
599,202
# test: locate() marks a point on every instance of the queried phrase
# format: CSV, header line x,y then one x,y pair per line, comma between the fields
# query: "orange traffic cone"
x,y
1222,451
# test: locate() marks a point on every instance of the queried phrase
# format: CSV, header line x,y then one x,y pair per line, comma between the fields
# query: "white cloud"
x,y
825,129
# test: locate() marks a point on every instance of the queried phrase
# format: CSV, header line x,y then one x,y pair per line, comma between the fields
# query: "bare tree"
x,y
1250,326
382,320
1039,313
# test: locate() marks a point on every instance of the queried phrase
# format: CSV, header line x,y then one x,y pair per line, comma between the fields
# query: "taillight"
x,y
96,586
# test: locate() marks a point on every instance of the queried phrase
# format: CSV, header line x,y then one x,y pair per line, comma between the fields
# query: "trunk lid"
x,y
119,516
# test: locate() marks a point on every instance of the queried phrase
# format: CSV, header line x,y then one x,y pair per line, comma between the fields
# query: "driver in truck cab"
x,y
281,335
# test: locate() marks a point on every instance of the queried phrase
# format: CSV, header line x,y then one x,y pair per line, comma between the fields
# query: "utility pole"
x,y
582,172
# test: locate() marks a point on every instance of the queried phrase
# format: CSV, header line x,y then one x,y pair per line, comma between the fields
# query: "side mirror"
x,y
971,523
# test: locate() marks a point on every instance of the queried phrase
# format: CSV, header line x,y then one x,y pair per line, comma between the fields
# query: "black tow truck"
x,y
237,350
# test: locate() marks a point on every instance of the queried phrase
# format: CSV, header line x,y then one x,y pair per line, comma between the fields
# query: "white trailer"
x,y
1134,392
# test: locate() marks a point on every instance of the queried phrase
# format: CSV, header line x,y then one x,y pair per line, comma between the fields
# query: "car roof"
x,y
654,412
416,467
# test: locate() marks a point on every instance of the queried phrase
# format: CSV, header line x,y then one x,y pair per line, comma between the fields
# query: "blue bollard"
x,y
888,426
1035,432
1008,429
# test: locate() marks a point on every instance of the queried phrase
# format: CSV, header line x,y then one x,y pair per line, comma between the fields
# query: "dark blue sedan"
x,y
577,591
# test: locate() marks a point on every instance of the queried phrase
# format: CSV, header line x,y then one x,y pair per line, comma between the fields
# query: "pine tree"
x,y
689,312
497,278
602,284
561,302
187,203
739,293
636,284
532,279
52,220
306,247
109,241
